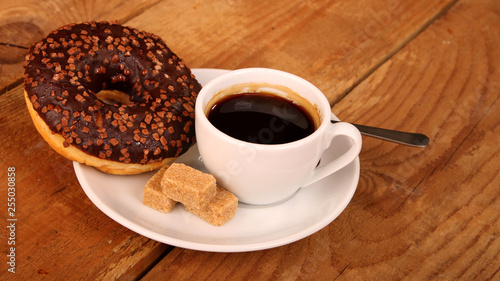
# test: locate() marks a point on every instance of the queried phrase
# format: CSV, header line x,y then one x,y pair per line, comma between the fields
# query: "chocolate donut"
x,y
65,75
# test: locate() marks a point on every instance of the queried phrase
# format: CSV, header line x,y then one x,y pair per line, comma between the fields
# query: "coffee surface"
x,y
262,118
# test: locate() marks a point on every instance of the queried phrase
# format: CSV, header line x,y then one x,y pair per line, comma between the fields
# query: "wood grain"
x,y
418,214
75,238
352,37
24,22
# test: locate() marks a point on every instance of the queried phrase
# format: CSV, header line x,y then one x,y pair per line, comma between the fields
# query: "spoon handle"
x,y
411,139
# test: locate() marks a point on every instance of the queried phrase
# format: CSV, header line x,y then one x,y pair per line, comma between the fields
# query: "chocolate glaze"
x,y
65,71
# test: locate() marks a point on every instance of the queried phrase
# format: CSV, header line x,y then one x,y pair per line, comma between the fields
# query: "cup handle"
x,y
338,129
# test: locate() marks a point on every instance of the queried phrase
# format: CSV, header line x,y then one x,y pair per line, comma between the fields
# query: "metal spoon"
x,y
411,139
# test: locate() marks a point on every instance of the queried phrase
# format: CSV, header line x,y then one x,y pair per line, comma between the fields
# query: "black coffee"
x,y
261,118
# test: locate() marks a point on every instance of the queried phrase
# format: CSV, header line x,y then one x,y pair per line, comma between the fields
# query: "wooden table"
x,y
430,66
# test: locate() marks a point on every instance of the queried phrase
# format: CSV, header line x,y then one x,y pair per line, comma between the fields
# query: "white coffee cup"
x,y
261,174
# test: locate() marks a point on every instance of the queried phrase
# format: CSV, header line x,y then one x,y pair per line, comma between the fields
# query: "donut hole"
x,y
114,97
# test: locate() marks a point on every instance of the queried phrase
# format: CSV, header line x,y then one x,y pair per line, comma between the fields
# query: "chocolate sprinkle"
x,y
66,69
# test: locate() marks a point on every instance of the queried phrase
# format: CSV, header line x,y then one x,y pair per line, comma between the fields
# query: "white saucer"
x,y
252,228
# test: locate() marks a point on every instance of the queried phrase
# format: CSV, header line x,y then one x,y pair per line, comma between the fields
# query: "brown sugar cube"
x,y
220,210
188,186
153,194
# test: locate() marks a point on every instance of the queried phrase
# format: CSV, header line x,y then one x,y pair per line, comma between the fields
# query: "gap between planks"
x,y
394,51
342,95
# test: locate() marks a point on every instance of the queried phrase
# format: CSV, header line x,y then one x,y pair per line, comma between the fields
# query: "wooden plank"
x,y
333,44
58,198
24,22
439,205
203,41
60,233
421,214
